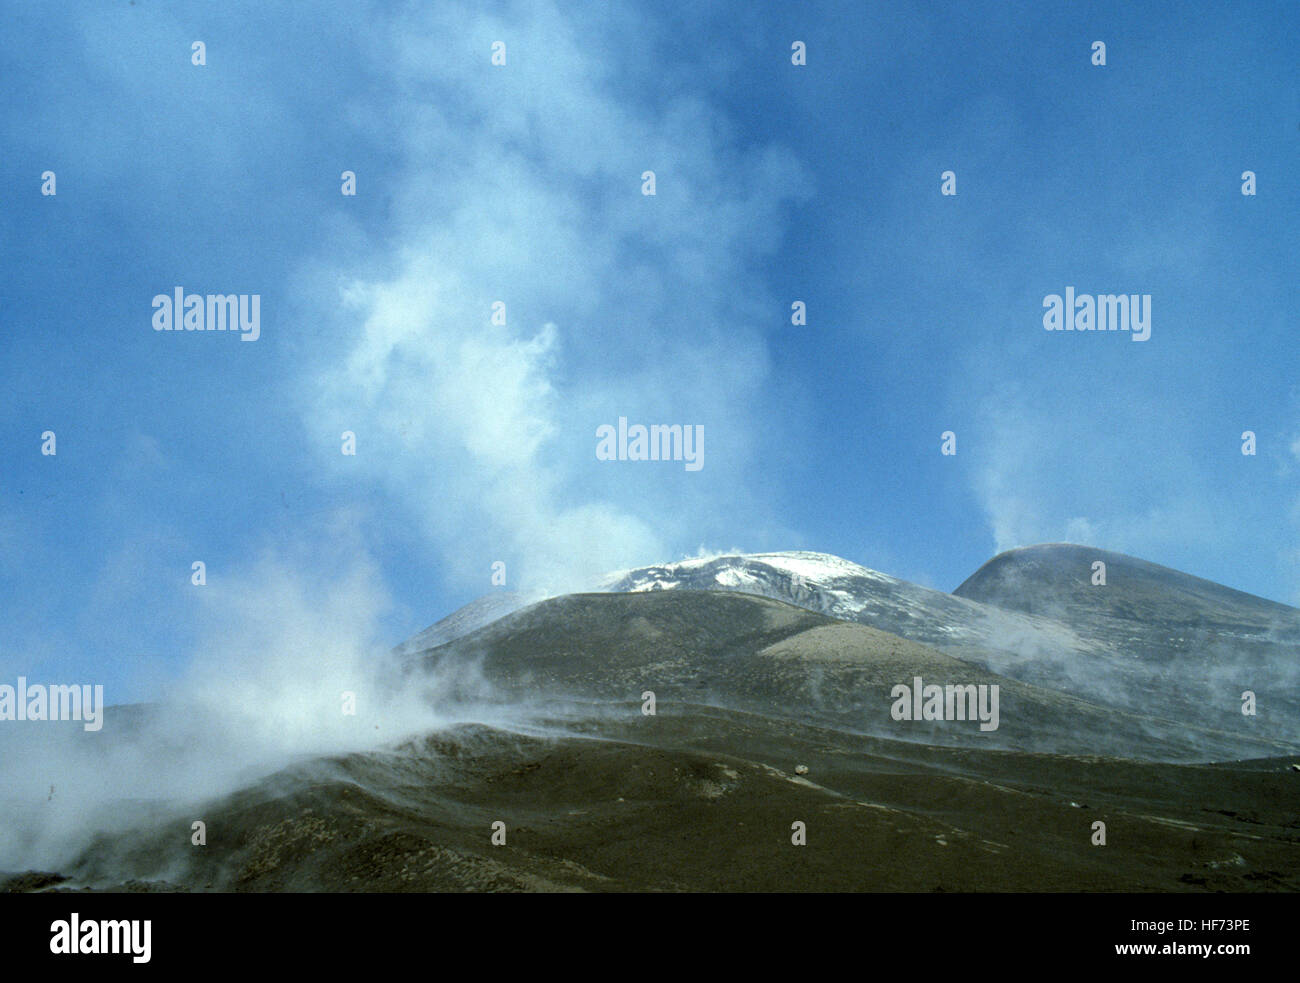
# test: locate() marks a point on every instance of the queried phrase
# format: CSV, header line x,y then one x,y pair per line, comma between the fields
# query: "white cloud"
x,y
522,184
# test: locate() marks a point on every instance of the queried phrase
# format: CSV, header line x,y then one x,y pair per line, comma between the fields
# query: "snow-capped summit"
x,y
834,586
791,571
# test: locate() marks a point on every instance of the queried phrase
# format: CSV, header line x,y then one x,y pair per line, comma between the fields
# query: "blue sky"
x,y
522,183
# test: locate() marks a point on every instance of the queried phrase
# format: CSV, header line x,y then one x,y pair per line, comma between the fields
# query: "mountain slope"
x,y
764,656
704,801
1056,581
1155,642
767,715
462,621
